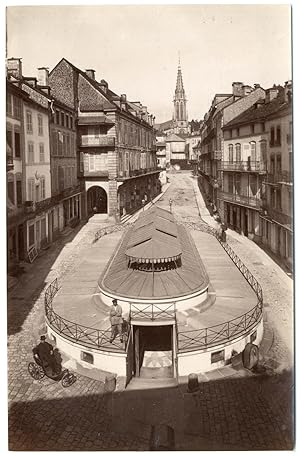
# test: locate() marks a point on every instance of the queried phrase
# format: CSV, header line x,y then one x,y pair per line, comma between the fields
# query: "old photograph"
x,y
149,220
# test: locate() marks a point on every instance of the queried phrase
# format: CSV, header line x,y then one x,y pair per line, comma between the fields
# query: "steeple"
x,y
180,112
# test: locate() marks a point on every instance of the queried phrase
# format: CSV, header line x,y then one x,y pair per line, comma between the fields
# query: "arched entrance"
x,y
97,200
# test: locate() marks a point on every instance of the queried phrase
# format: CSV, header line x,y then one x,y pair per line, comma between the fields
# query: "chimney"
x,y
14,67
237,89
43,75
103,85
90,73
123,98
271,94
288,91
247,89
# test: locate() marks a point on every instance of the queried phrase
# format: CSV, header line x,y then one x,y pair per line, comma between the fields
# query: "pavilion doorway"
x,y
153,351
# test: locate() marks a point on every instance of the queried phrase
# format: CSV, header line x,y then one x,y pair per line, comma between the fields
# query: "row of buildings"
x,y
246,164
74,148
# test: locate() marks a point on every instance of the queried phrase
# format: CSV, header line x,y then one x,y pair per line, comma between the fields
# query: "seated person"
x,y
44,355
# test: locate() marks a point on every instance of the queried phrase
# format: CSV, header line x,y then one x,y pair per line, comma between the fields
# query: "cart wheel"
x,y
35,371
68,380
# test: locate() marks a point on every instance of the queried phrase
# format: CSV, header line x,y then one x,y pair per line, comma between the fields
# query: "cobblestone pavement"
x,y
234,413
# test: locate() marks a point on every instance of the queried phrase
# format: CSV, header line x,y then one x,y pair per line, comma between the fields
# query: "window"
x,y
278,136
62,116
19,192
37,192
278,199
272,138
61,178
40,125
230,152
17,107
67,120
253,151
217,356
11,191
43,189
71,122
238,183
252,128
29,127
263,127
87,357
42,153
9,104
238,152
30,157
230,183
92,162
17,145
57,117
31,235
30,190
253,337
278,164
272,164
9,138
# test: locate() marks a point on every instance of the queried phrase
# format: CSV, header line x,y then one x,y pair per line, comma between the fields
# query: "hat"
x,y
114,301
43,337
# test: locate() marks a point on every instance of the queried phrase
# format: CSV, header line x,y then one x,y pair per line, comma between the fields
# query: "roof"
x,y
94,120
120,279
174,138
165,125
259,111
154,236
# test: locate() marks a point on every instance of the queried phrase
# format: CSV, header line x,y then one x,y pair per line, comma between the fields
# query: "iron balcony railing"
x,y
251,201
282,177
89,337
146,312
250,166
277,215
97,141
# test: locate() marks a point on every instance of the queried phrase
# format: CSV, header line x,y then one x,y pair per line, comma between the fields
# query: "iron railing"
x,y
251,201
215,335
110,229
89,337
152,312
243,166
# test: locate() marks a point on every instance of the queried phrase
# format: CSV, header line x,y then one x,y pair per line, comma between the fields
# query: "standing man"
x,y
116,321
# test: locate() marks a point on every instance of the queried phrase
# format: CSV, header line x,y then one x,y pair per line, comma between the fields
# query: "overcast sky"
x,y
135,48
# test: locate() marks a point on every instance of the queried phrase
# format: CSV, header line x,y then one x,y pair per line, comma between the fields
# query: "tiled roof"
x,y
259,111
174,138
165,125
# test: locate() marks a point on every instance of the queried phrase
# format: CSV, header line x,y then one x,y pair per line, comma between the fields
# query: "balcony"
x,y
137,172
277,215
283,177
242,200
97,141
242,166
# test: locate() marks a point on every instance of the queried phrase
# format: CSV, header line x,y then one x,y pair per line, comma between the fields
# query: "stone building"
x,y
16,183
115,141
224,108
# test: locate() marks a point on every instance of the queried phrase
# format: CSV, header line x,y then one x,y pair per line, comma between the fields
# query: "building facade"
x,y
16,183
224,108
277,215
116,142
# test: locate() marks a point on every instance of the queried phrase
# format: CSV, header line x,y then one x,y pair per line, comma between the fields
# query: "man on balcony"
x,y
116,321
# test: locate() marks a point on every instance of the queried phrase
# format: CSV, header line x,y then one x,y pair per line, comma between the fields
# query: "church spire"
x,y
180,112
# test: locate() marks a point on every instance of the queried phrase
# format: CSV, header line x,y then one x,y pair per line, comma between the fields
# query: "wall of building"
x,y
197,362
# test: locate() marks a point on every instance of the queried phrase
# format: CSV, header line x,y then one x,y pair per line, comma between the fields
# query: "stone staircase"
x,y
140,383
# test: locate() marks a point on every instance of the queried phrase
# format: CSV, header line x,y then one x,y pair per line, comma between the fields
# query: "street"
x,y
235,413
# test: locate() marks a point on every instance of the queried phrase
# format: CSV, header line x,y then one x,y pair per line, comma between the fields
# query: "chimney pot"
x,y
90,73
43,76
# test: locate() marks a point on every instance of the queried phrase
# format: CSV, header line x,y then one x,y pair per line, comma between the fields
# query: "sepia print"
x,y
149,174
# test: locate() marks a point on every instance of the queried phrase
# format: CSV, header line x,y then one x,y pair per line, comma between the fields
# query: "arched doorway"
x,y
97,200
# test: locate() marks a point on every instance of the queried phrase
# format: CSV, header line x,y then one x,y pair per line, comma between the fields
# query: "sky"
x,y
135,48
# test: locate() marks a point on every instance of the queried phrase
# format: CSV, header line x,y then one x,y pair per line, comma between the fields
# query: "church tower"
x,y
180,117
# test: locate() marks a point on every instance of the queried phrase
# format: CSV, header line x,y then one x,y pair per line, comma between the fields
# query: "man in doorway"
x,y
116,321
